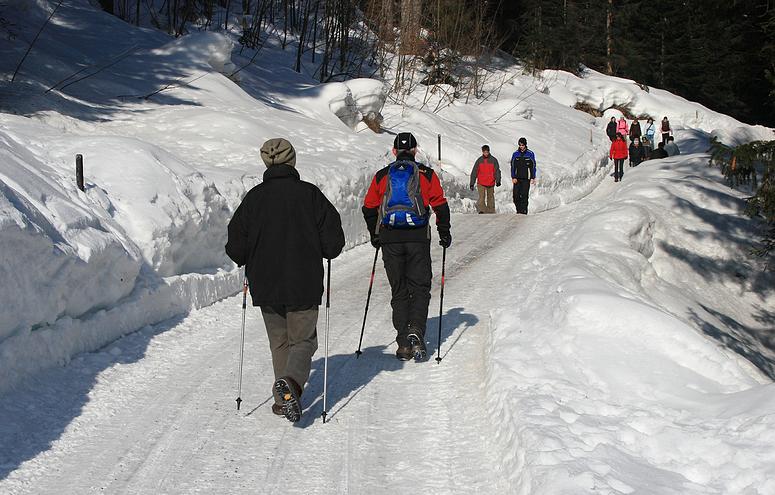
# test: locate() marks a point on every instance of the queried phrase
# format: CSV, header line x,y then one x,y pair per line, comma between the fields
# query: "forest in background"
x,y
720,53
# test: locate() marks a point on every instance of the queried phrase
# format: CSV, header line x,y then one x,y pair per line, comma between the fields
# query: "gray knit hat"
x,y
278,151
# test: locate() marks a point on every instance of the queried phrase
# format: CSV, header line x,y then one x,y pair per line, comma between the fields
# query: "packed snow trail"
x,y
155,412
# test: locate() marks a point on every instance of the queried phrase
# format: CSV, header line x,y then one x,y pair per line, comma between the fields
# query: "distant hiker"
x,y
618,154
282,231
637,153
523,173
486,174
671,148
646,147
650,132
659,152
397,214
610,129
666,130
635,132
622,127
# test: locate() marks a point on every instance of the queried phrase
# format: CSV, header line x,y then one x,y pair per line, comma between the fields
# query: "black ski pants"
x,y
521,192
618,168
408,269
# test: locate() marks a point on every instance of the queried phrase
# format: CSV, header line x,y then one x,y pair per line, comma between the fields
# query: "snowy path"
x,y
155,412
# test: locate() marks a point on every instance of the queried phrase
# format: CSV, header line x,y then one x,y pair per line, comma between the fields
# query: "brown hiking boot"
x,y
290,393
404,351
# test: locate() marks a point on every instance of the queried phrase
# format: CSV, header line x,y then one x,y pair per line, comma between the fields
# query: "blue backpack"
x,y
402,205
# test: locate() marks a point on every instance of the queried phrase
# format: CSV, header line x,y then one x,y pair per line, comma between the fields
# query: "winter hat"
x,y
522,141
278,151
405,141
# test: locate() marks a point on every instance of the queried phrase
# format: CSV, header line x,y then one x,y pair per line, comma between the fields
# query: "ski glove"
x,y
471,187
375,240
445,239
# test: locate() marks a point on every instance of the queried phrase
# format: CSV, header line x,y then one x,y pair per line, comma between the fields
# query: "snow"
x,y
616,340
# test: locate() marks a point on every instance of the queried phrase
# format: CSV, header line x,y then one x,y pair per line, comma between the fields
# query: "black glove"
x,y
472,187
445,239
375,240
497,184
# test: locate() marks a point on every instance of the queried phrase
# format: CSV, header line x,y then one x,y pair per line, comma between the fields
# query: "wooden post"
x,y
79,171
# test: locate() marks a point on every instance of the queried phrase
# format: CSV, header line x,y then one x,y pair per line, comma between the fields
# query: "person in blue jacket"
x,y
523,173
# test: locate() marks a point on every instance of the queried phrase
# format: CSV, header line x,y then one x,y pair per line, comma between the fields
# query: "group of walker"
x,y
285,227
641,146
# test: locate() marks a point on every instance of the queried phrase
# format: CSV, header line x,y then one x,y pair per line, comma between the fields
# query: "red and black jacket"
x,y
432,195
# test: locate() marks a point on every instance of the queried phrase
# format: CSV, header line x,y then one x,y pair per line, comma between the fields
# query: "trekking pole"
x,y
441,301
368,296
325,365
242,343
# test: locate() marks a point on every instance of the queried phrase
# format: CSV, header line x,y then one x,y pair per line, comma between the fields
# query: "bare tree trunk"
x,y
303,36
107,6
609,38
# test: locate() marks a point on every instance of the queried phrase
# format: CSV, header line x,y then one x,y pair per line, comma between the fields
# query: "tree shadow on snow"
x,y
348,375
35,414
757,345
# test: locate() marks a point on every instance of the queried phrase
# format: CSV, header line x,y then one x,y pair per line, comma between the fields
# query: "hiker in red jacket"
x,y
618,154
487,175
397,209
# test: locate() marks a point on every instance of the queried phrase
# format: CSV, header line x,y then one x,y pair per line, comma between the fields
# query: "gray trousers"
x,y
293,340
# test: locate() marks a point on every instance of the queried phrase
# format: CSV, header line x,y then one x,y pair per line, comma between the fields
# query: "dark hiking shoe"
x,y
417,341
277,409
290,394
418,347
404,351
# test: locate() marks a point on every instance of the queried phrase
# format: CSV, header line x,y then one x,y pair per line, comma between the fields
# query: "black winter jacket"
x,y
282,230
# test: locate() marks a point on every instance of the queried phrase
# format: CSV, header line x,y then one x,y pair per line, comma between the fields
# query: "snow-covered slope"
x,y
609,327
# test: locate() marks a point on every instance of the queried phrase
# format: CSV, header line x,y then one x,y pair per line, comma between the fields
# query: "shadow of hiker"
x,y
36,414
346,378
453,319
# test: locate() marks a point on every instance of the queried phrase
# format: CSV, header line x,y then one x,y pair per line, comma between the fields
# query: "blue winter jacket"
x,y
523,165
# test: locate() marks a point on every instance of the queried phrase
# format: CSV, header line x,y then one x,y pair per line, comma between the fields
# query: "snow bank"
x,y
60,256
603,378
82,268
603,92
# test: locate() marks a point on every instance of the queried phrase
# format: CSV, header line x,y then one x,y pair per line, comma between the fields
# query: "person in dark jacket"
x,y
281,232
486,174
610,129
406,252
523,173
635,131
666,129
646,146
659,152
637,153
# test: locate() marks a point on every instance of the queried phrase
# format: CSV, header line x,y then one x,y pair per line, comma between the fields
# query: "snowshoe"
x,y
290,394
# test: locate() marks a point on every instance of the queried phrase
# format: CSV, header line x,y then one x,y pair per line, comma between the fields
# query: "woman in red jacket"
x,y
618,153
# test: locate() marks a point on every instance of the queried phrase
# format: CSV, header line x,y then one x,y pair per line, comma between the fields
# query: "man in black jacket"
x,y
281,231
